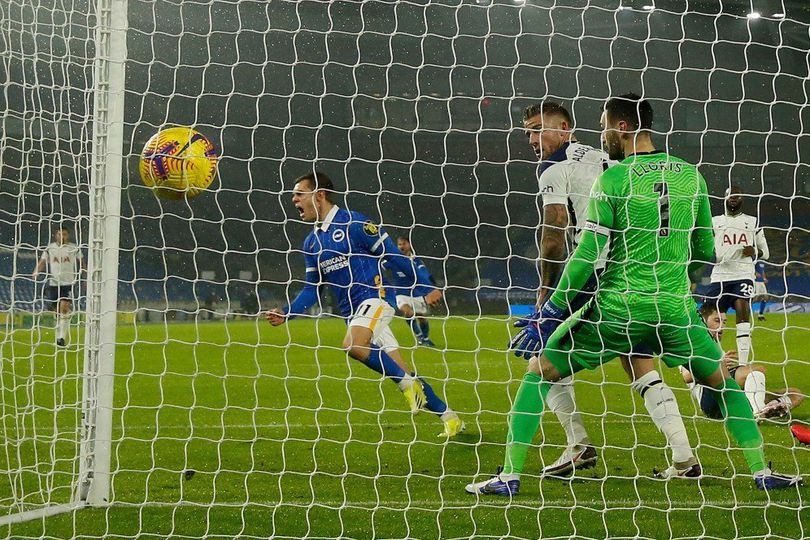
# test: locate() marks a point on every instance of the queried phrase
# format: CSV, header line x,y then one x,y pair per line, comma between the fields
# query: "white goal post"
x,y
102,252
91,484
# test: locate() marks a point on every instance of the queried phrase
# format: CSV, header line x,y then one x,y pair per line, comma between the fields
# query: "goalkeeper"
x,y
345,250
568,172
654,209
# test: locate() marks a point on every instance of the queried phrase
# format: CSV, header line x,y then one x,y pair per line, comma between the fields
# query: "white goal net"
x,y
173,408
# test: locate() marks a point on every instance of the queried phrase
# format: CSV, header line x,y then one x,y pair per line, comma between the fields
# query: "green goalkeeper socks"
x,y
524,419
740,423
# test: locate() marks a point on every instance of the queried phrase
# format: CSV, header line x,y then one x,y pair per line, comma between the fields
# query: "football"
x,y
178,163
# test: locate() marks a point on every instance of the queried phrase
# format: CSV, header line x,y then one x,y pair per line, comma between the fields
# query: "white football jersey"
x,y
569,182
63,263
731,235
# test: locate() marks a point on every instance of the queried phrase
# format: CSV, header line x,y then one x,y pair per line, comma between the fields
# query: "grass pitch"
x,y
237,429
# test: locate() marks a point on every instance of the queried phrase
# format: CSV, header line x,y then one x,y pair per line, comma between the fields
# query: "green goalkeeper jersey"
x,y
654,210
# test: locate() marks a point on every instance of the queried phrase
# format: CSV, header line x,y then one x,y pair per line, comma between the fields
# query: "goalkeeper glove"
x,y
537,328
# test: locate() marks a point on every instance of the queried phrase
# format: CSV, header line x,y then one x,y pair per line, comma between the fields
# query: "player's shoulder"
x,y
577,151
358,219
579,156
615,175
362,224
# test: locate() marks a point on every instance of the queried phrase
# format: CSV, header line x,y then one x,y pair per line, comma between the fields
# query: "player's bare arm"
x,y
38,268
552,248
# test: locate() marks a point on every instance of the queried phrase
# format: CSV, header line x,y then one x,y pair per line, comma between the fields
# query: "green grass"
x,y
289,440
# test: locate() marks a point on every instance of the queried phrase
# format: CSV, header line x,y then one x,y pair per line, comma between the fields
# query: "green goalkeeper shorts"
x,y
590,337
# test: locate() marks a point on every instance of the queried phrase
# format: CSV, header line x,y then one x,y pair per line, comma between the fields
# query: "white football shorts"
x,y
376,315
418,303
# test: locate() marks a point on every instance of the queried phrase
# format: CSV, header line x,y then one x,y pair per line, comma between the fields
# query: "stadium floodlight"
x,y
754,15
778,15
648,7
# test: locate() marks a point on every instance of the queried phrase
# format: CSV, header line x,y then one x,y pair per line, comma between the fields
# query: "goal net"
x,y
175,409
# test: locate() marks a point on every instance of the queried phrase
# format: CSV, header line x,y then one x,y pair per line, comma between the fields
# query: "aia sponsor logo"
x,y
735,239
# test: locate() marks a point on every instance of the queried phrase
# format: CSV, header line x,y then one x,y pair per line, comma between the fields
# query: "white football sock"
x,y
560,401
62,324
755,390
663,409
743,342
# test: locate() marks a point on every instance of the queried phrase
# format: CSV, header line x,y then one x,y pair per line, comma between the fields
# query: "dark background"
x,y
413,108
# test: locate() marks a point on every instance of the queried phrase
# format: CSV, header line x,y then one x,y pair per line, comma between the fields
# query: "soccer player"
x,y
344,251
62,260
761,288
738,243
410,297
765,404
567,174
654,209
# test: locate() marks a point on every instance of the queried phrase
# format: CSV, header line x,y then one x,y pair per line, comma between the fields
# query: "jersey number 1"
x,y
663,207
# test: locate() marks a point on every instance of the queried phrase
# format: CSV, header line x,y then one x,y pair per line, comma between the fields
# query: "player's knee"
x,y
627,366
542,366
407,311
358,352
760,368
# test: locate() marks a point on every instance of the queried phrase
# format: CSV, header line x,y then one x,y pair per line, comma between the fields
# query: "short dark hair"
x,y
632,109
547,107
318,181
708,308
404,236
61,228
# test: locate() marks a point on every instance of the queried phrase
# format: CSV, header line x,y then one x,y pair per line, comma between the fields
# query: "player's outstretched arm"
x,y
581,266
305,299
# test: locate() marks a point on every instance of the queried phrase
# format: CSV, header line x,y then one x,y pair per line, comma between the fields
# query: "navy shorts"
x,y
708,403
725,293
54,293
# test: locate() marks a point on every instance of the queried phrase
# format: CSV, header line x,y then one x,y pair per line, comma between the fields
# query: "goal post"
x,y
67,450
103,252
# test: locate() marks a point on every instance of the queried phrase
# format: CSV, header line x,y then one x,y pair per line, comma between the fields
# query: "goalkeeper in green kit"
x,y
653,208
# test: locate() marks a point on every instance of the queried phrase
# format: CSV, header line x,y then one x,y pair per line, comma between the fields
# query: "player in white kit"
x,y
765,404
738,244
568,172
62,260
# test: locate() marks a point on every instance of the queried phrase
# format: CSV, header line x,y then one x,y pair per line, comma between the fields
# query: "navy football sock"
x,y
434,403
425,326
417,330
382,363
